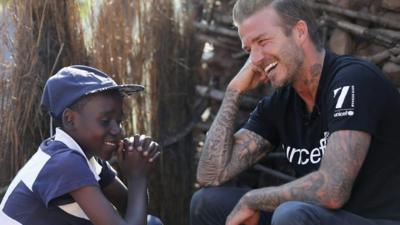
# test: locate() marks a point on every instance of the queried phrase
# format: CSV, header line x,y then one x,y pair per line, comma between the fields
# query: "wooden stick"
x,y
361,31
382,56
247,102
226,43
358,15
216,30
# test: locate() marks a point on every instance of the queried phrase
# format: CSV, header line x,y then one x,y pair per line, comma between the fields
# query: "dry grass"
x,y
48,35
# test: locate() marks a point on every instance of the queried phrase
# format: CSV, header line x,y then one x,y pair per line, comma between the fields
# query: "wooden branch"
x,y
223,19
225,43
382,56
357,15
188,128
273,172
247,102
361,31
211,13
215,30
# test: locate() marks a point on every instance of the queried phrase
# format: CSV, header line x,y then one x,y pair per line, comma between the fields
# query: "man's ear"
x,y
68,118
301,31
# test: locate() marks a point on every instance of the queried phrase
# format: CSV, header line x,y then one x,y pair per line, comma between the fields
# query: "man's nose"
x,y
256,57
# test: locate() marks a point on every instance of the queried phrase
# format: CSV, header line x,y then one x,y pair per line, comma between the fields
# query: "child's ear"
x,y
68,119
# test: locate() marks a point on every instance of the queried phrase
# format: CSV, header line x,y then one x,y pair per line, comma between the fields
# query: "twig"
x,y
57,58
358,15
41,24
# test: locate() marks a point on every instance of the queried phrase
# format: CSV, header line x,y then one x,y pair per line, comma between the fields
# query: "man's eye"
x,y
262,42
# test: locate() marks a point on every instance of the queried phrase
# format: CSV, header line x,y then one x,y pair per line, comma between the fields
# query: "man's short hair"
x,y
290,11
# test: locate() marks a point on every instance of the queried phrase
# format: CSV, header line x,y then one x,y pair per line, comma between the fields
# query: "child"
x,y
68,181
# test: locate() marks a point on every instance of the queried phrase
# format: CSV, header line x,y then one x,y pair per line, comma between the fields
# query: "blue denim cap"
x,y
73,82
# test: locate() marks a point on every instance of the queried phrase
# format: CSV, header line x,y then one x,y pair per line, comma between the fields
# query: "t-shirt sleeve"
x,y
107,174
355,99
64,172
260,121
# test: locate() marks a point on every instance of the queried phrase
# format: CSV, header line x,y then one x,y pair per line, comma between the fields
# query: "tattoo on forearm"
x,y
248,148
330,186
219,140
223,154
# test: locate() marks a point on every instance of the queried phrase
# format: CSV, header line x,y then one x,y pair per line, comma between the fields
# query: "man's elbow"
x,y
335,199
205,181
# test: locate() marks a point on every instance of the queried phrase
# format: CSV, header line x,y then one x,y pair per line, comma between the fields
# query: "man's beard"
x,y
292,59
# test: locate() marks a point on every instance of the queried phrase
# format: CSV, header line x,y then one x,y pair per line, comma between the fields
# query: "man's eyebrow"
x,y
256,38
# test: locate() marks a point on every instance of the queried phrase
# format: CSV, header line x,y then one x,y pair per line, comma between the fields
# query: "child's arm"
x,y
117,193
134,165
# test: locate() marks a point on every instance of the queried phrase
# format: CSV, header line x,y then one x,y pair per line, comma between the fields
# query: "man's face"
x,y
277,56
97,125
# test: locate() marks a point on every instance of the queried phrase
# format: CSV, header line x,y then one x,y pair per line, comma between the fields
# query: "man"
x,y
335,117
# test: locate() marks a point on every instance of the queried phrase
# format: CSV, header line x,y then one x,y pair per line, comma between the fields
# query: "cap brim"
x,y
126,89
130,88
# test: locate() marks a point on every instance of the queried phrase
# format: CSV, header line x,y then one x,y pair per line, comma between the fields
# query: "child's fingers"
x,y
146,145
152,149
136,141
120,151
143,143
155,156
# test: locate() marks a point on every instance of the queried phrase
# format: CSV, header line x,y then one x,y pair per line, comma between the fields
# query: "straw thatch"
x,y
152,45
47,35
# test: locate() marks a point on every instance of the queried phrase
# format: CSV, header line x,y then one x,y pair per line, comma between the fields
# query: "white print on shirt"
x,y
340,108
305,156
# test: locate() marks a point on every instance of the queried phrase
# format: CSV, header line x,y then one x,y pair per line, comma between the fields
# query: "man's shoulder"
x,y
350,70
350,65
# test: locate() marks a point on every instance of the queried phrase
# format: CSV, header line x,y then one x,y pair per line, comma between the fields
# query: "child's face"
x,y
97,125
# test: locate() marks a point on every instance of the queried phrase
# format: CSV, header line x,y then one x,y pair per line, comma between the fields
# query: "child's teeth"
x,y
109,143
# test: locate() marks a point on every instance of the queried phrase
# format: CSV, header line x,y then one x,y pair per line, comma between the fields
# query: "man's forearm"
x,y
330,186
219,141
310,188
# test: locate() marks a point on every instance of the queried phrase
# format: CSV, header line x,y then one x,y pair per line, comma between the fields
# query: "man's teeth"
x,y
270,67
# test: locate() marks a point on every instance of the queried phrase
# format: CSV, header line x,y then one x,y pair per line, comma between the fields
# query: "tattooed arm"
x,y
329,187
226,154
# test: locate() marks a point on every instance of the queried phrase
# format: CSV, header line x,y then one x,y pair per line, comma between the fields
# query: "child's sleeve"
x,y
62,174
107,174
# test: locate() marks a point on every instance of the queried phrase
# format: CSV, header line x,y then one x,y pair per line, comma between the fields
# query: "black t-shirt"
x,y
352,95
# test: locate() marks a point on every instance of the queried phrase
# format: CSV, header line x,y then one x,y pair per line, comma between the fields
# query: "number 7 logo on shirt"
x,y
343,93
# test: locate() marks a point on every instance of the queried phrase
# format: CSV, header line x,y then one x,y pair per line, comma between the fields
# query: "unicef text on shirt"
x,y
302,156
